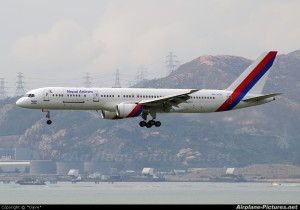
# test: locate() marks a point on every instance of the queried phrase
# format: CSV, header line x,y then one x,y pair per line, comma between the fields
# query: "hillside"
x,y
256,135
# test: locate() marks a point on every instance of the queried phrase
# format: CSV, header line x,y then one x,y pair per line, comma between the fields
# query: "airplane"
x,y
120,103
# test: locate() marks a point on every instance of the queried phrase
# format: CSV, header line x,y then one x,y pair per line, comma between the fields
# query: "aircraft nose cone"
x,y
20,102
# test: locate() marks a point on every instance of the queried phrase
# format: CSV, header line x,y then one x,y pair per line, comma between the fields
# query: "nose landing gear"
x,y
49,122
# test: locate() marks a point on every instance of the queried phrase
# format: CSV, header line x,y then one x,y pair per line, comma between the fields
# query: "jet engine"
x,y
128,110
109,115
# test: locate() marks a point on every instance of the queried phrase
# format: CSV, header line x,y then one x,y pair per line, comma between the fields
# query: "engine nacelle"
x,y
128,110
109,115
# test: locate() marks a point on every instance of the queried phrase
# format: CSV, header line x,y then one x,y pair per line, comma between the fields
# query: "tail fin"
x,y
253,79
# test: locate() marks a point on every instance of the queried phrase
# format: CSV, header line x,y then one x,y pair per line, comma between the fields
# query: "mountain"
x,y
257,135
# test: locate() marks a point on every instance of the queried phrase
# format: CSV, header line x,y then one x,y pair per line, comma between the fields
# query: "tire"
x,y
157,124
142,123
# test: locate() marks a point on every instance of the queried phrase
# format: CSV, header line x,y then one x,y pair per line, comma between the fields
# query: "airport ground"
x,y
279,173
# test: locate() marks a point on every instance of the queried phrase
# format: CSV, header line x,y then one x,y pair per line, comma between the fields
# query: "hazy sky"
x,y
56,42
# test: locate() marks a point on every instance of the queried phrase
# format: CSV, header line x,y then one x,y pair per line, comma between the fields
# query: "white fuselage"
x,y
118,103
80,98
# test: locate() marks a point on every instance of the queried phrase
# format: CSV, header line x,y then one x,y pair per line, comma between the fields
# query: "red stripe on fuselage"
x,y
116,117
136,108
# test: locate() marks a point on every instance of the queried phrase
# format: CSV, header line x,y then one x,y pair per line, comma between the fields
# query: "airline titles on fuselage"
x,y
79,91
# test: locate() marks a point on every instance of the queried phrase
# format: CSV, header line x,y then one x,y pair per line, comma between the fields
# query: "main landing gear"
x,y
49,122
150,123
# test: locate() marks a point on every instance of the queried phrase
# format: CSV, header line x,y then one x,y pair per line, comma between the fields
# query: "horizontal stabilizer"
x,y
258,98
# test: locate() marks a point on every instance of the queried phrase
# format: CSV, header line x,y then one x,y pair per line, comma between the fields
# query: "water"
x,y
150,193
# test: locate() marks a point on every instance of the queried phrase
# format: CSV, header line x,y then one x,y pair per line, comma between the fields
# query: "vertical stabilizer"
x,y
253,79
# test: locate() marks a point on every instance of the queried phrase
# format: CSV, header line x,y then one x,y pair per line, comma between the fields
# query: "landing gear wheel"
x,y
151,122
157,124
49,122
152,112
143,123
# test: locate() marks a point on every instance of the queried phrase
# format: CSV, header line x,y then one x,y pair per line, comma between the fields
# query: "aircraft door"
x,y
96,97
46,95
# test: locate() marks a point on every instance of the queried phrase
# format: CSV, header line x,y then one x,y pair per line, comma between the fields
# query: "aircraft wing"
x,y
258,98
168,101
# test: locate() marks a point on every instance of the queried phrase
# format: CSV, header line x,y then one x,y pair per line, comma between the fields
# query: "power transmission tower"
x,y
117,81
87,82
20,88
141,74
2,89
172,63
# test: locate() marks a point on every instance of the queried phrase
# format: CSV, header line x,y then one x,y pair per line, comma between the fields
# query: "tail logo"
x,y
243,88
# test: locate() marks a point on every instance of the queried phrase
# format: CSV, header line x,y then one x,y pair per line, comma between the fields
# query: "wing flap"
x,y
171,100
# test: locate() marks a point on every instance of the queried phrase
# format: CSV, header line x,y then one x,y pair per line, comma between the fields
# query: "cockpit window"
x,y
30,95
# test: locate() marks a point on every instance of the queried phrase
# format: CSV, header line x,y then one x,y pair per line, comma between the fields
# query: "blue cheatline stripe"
x,y
138,112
